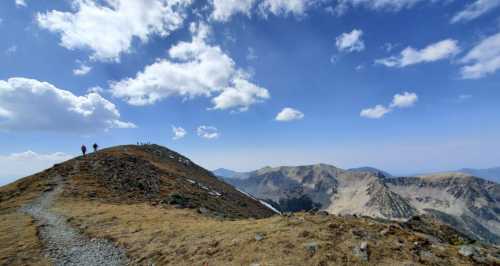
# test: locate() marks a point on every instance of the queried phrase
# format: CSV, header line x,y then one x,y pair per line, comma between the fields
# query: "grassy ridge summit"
x,y
157,175
158,207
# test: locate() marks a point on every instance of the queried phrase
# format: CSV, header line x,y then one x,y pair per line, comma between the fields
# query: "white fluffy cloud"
x,y
82,70
26,163
350,41
194,69
31,105
242,95
208,132
483,59
21,3
178,132
108,27
225,9
376,112
433,52
289,114
404,100
475,10
285,7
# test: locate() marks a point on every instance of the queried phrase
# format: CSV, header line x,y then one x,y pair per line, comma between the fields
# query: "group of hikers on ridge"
x,y
84,148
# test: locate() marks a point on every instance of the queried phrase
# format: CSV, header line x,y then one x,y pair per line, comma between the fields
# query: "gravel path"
x,y
65,245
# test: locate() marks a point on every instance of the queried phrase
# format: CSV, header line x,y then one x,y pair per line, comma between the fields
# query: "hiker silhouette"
x,y
95,146
84,150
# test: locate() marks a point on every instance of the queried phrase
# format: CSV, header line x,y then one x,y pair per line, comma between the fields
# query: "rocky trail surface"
x,y
64,244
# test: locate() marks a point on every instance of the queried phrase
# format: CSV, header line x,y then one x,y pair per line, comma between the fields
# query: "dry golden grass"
x,y
183,237
19,243
164,235
16,194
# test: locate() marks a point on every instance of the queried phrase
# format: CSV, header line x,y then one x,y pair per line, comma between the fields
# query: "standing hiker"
x,y
84,150
95,146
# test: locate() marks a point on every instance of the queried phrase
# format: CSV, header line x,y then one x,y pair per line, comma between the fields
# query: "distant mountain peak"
x,y
468,203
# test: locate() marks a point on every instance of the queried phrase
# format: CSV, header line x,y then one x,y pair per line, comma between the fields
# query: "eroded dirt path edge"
x,y
64,244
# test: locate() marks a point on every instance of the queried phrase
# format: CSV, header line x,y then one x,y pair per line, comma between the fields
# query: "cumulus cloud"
x,y
404,100
82,70
376,112
475,10
241,95
350,42
208,132
22,164
178,132
21,3
108,27
289,114
225,9
433,52
483,59
31,105
193,69
285,7
95,89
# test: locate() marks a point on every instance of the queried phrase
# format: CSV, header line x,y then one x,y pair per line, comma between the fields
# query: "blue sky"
x,y
404,85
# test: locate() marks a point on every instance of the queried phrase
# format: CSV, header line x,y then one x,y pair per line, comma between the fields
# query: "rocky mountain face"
x,y
471,205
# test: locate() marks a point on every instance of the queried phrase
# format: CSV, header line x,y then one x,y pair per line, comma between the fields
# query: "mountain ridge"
x,y
147,205
446,196
150,173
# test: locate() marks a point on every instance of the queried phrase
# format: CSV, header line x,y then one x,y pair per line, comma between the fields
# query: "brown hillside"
x,y
146,173
162,209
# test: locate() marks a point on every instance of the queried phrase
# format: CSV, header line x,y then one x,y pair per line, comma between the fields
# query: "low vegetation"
x,y
169,236
107,197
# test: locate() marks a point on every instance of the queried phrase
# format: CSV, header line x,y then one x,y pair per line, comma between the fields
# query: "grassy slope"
x,y
19,243
167,236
